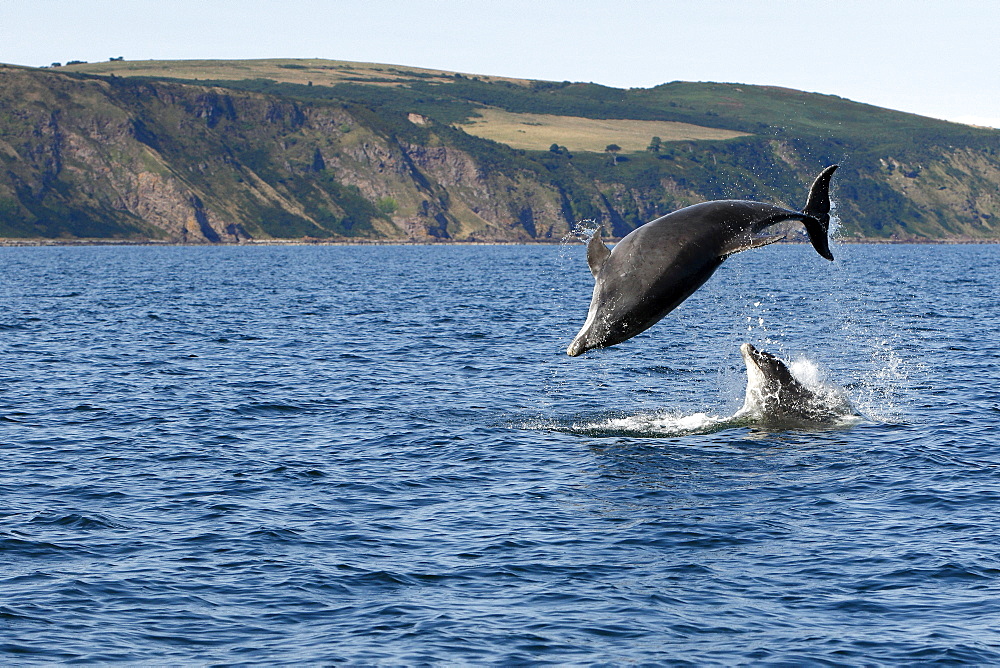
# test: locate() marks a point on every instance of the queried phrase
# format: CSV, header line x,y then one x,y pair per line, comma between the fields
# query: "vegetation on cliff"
x,y
188,152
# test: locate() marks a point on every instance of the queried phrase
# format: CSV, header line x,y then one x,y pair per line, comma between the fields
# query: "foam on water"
x,y
661,423
834,404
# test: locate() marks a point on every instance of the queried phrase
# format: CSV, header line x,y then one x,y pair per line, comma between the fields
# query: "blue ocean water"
x,y
383,455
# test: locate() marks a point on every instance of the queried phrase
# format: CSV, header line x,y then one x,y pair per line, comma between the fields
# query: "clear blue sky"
x,y
938,58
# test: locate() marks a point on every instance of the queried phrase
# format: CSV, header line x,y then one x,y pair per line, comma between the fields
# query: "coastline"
x,y
40,242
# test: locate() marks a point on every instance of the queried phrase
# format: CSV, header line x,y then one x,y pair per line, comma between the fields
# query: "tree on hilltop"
x,y
613,149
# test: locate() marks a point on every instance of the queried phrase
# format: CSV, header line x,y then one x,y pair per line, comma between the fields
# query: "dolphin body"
x,y
774,395
660,264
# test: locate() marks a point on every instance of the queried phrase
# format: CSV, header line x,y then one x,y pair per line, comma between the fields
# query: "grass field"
x,y
537,132
287,70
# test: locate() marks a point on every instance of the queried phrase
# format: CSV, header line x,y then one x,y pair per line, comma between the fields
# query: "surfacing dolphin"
x,y
774,395
660,264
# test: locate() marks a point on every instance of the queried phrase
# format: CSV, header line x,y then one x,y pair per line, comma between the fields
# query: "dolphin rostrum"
x,y
660,264
775,395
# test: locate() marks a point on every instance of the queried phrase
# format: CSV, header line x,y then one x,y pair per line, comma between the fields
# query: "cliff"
x,y
114,157
121,159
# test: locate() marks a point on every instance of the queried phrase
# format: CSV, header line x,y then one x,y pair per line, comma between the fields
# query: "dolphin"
x,y
660,264
775,395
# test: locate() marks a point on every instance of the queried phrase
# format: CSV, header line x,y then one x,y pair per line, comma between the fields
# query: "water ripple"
x,y
382,455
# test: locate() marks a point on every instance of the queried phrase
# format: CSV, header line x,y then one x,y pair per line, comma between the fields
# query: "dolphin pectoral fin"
x,y
597,252
741,244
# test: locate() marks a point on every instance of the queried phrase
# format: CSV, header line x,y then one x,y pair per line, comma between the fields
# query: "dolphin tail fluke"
x,y
817,209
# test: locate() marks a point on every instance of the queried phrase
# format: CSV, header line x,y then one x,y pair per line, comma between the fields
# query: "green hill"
x,y
225,151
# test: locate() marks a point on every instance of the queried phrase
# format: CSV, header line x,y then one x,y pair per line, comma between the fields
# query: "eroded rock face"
x,y
196,165
119,158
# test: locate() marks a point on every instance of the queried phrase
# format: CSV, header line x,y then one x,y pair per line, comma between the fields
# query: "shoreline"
x,y
42,242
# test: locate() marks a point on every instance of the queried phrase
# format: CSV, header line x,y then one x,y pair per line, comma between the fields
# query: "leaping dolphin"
x,y
775,395
660,264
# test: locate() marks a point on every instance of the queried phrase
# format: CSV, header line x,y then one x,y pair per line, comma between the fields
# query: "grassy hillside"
x,y
432,154
287,70
735,107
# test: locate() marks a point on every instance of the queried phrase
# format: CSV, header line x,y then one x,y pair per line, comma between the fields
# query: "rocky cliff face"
x,y
106,158
122,158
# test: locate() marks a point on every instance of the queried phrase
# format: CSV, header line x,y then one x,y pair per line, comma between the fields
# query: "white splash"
x,y
659,423
582,231
881,392
833,411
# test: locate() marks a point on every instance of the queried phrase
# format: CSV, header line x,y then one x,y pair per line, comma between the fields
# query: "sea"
x,y
382,455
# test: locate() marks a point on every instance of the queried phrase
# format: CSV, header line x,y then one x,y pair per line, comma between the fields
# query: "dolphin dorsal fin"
x,y
597,252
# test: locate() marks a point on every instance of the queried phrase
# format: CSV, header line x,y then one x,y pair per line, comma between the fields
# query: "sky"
x,y
938,58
